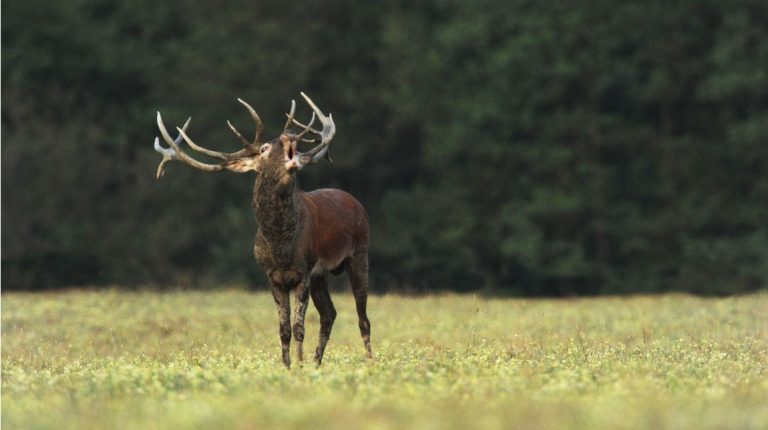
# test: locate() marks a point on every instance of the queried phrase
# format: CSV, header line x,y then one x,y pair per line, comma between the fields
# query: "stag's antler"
x,y
326,134
256,119
176,153
167,153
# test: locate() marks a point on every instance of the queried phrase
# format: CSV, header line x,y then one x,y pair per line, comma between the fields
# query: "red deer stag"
x,y
301,235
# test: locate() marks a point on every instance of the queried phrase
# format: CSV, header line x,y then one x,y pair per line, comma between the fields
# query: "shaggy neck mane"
x,y
276,209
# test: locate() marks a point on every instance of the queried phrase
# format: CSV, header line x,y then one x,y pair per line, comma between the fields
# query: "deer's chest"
x,y
280,261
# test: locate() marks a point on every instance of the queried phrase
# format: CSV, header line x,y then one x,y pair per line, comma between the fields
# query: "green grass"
x,y
211,360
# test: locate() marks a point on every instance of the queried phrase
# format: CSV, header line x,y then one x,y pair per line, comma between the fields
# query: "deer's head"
x,y
278,158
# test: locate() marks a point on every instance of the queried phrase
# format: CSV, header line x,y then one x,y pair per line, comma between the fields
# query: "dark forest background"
x,y
522,147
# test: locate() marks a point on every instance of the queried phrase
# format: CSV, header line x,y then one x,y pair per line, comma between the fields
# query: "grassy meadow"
x,y
114,359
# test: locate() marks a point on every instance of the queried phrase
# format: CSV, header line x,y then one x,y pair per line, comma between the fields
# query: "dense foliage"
x,y
527,147
211,360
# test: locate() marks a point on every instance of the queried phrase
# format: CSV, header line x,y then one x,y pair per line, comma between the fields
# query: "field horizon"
x,y
210,359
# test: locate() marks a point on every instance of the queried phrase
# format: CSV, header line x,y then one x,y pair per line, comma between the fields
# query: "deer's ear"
x,y
242,165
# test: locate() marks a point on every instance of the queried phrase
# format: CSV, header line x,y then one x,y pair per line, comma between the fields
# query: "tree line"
x,y
531,148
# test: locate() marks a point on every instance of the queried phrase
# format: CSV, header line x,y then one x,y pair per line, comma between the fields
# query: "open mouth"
x,y
291,154
290,150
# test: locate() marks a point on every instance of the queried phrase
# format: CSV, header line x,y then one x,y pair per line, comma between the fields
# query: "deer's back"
x,y
339,225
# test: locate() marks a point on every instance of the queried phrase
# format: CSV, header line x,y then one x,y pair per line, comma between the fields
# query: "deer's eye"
x,y
264,148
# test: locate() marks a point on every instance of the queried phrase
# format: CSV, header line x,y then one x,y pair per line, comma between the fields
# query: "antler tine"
x,y
329,128
200,149
175,152
321,150
168,153
290,115
326,135
256,119
237,133
307,128
249,150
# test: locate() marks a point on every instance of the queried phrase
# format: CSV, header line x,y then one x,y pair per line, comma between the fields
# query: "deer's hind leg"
x,y
357,269
319,291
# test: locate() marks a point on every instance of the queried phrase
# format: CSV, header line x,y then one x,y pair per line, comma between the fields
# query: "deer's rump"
x,y
339,226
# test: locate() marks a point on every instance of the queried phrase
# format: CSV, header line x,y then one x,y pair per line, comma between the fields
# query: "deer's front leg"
x,y
283,302
302,300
